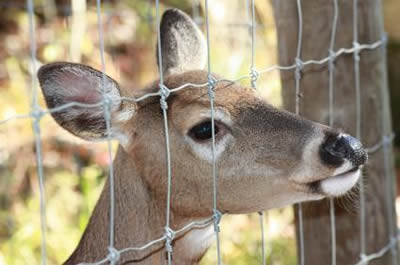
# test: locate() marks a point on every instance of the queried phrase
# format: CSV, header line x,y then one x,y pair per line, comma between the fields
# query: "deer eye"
x,y
202,131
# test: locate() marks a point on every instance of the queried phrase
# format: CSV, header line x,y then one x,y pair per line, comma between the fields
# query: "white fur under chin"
x,y
340,184
195,243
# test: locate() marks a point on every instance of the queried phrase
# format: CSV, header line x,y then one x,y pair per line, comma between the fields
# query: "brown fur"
x,y
266,158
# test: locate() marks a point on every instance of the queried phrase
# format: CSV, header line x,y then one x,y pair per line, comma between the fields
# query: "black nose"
x,y
338,148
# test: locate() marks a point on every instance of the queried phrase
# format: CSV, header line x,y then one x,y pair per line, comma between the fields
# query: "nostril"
x,y
338,148
334,150
357,154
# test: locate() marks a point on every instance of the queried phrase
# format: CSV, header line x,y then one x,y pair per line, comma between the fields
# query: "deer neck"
x,y
138,219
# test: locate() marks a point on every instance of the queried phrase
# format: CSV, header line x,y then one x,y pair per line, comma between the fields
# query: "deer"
x,y
266,157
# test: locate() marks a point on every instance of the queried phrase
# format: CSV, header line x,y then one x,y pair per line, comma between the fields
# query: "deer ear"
x,y
64,83
183,47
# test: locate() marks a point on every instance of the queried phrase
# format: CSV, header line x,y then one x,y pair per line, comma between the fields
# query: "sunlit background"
x,y
67,30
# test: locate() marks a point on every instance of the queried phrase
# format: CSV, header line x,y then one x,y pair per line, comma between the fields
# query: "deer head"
x,y
266,157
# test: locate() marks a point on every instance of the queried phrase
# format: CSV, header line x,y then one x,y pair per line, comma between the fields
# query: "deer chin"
x,y
338,185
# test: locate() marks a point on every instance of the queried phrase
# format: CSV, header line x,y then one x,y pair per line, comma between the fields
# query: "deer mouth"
x,y
337,185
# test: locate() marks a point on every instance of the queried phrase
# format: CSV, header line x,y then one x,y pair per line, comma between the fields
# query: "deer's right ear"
x,y
183,47
67,83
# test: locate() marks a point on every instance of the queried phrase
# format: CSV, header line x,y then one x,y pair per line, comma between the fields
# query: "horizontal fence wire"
x,y
268,69
36,114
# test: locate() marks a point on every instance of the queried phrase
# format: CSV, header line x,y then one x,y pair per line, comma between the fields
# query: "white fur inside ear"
x,y
90,93
73,83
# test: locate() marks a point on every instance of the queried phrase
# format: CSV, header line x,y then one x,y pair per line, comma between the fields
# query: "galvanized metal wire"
x,y
169,234
356,57
331,69
297,76
36,114
106,104
254,76
211,85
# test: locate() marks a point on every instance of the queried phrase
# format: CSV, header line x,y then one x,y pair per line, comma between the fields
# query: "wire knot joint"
x,y
169,237
217,216
211,81
332,58
387,140
37,114
384,39
357,49
113,255
363,257
254,77
163,103
393,242
299,67
211,85
164,93
107,101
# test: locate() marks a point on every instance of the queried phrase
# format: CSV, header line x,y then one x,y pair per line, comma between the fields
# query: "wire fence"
x,y
113,256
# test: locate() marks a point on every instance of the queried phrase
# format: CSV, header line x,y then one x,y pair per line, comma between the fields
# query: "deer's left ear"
x,y
183,47
63,83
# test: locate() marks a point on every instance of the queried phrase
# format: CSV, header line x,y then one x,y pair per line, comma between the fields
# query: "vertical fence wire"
x,y
262,231
389,195
253,71
113,256
386,142
297,77
356,58
254,76
211,87
298,62
164,93
331,69
389,178
37,115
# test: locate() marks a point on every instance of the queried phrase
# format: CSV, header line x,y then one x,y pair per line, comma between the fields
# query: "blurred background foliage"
x,y
67,30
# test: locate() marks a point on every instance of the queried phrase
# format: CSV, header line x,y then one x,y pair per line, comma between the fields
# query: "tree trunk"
x,y
379,182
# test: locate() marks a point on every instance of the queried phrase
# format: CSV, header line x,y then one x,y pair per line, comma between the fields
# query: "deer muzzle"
x,y
347,155
336,150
